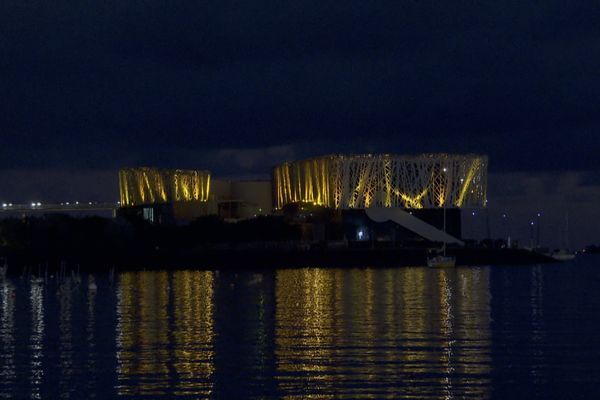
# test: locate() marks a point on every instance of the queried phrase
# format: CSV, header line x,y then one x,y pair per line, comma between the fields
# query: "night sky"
x,y
236,87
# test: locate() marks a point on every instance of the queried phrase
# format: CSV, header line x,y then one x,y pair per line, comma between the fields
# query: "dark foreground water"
x,y
500,332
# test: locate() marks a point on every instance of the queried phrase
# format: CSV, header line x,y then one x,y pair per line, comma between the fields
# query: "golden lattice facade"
x,y
383,180
142,186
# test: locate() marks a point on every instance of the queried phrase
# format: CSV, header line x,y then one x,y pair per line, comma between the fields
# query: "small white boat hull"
x,y
563,257
441,262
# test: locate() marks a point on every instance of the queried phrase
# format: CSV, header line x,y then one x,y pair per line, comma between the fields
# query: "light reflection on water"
x,y
7,329
165,333
406,331
347,333
36,339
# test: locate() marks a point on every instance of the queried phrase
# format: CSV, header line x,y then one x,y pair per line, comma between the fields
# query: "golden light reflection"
x,y
7,338
36,297
304,314
415,331
194,332
91,339
149,346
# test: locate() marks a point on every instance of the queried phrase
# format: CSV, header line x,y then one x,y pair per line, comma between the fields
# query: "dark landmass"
x,y
592,249
35,245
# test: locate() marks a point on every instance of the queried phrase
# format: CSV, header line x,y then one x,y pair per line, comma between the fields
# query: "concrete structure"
x,y
241,199
383,180
144,186
163,195
411,192
372,190
412,223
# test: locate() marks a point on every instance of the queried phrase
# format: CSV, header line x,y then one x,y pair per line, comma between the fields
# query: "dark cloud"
x,y
55,186
556,196
96,84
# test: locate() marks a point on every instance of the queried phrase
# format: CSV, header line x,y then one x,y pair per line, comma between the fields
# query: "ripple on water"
x,y
344,333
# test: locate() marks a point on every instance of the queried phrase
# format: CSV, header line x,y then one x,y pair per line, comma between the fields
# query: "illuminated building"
x,y
144,186
383,180
370,190
162,195
165,195
409,190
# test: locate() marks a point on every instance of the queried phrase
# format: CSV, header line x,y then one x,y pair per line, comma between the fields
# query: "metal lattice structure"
x,y
362,181
141,186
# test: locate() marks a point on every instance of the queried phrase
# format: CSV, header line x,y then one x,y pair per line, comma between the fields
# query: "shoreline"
x,y
259,259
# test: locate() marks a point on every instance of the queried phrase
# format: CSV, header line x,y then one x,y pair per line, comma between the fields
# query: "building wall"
x,y
256,197
245,199
362,181
190,210
146,186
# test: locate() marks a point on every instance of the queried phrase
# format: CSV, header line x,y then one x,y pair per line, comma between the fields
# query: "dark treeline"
x,y
58,234
56,242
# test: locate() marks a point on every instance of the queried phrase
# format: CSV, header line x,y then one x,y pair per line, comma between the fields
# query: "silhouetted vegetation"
x,y
49,242
213,229
592,249
62,233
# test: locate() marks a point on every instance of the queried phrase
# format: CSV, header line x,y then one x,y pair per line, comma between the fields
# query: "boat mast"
x,y
444,204
567,230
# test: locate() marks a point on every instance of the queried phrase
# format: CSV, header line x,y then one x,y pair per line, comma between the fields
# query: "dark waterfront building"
x,y
376,197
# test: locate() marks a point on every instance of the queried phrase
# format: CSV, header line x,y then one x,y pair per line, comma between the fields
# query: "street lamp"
x,y
539,214
506,230
531,224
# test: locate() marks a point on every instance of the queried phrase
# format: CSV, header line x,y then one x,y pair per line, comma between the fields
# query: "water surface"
x,y
481,332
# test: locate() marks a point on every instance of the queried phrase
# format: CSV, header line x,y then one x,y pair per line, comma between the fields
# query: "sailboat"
x,y
442,260
564,254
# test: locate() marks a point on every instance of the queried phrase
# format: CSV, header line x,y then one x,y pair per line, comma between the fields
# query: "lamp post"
x,y
531,224
506,229
537,238
473,227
